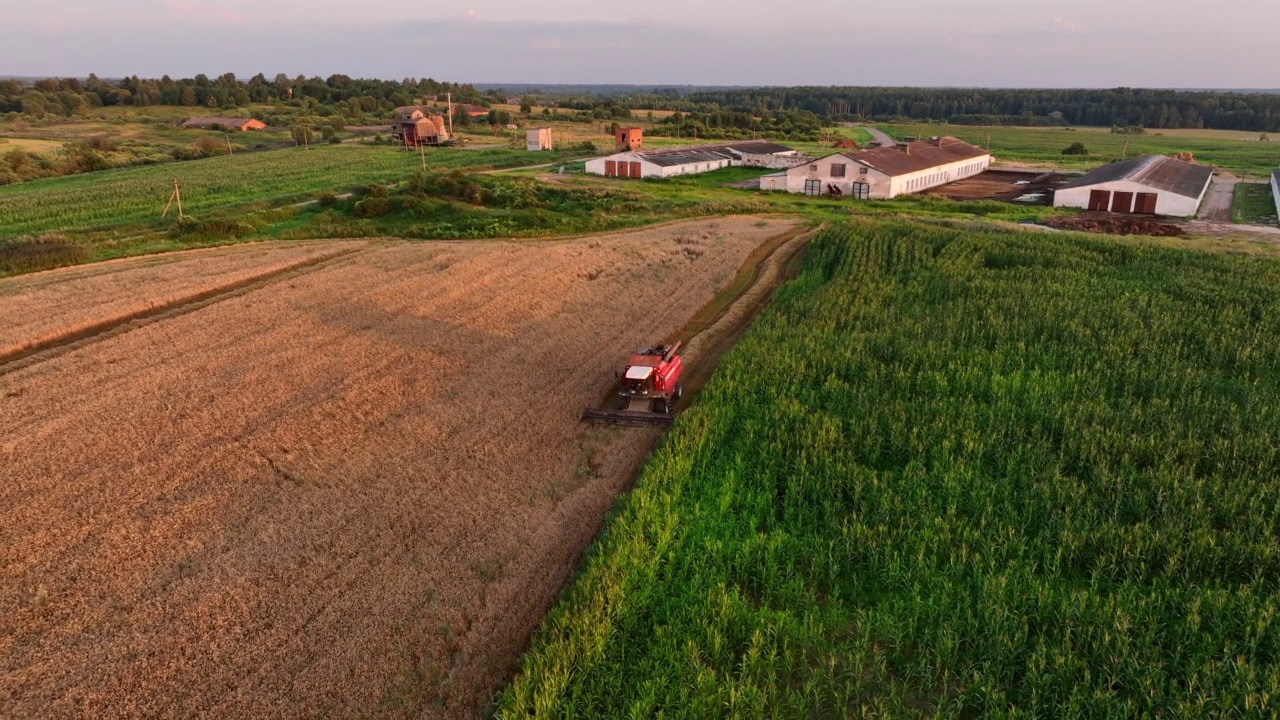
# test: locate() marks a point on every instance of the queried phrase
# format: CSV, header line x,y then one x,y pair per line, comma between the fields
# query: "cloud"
x,y
189,10
471,14
1064,26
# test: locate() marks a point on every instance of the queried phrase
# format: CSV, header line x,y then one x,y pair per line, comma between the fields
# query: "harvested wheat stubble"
x,y
352,491
45,307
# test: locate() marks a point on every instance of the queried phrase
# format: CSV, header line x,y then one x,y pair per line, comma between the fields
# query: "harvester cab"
x,y
648,388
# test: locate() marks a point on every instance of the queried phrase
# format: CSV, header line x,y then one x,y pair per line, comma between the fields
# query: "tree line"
x,y
1122,107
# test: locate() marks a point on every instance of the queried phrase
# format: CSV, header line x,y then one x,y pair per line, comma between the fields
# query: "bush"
x,y
33,255
373,206
328,198
335,140
1076,148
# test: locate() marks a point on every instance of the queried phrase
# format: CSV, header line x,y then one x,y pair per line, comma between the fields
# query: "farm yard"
x,y
953,473
350,489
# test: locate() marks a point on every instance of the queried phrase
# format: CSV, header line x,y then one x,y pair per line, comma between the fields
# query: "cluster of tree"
x,y
732,124
1117,107
340,94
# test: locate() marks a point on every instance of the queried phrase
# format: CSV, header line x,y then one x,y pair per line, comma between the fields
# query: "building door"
x,y
1146,203
610,168
635,170
861,191
1122,202
1099,200
813,187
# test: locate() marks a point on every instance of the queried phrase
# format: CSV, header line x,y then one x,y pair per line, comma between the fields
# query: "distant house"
x,y
513,101
884,173
629,139
416,125
693,160
1275,190
223,123
1156,185
538,139
472,110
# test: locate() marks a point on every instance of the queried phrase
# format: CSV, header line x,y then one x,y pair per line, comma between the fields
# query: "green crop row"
x,y
130,195
953,473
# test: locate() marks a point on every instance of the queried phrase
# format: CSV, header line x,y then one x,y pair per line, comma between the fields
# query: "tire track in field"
x,y
80,337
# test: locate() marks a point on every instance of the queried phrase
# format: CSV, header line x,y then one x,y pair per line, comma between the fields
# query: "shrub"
x,y
17,256
1076,148
373,206
327,199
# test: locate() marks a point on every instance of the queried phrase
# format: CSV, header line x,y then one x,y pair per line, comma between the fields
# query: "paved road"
x,y
1217,203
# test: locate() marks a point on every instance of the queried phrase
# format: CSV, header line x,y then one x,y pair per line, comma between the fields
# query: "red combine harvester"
x,y
648,389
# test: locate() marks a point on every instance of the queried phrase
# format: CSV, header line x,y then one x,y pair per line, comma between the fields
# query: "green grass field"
x,y
1045,146
138,194
1253,204
953,473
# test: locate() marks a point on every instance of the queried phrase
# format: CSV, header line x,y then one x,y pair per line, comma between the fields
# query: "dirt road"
x,y
1217,202
352,490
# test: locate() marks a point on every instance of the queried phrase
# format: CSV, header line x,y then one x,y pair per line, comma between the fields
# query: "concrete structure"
x,y
883,173
538,139
629,139
1275,190
1155,185
693,160
215,123
416,125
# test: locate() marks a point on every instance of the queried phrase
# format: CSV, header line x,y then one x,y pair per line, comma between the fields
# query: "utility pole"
x,y
449,97
175,195
423,152
229,150
1125,155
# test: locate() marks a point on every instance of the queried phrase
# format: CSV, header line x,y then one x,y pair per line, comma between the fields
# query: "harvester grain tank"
x,y
648,388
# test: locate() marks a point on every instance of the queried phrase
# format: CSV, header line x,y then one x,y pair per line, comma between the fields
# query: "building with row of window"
x,y
883,173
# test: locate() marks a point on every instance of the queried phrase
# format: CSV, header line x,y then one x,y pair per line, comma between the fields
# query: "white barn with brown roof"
x,y
884,173
1156,185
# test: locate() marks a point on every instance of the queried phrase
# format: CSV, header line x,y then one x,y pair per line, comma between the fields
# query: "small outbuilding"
x,y
1156,185
539,139
629,139
224,123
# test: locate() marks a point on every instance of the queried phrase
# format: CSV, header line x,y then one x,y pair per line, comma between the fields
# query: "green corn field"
x,y
959,474
115,197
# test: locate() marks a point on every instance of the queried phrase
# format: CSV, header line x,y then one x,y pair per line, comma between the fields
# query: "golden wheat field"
x,y
351,489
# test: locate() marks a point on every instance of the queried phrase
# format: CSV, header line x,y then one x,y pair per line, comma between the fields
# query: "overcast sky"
x,y
990,43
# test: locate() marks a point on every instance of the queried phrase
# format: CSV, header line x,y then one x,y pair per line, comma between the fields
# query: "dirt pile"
x,y
1116,225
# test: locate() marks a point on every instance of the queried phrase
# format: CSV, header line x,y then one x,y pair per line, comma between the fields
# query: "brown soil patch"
x,y
1115,225
352,490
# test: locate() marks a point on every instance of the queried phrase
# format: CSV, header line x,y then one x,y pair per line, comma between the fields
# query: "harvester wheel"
x,y
679,391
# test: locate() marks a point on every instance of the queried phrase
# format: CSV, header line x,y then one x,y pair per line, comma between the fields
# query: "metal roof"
x,y
1158,171
1275,178
916,156
707,153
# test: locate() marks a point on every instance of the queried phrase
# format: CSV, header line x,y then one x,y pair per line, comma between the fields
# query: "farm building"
x,y
1155,185
415,125
223,123
538,139
883,173
629,139
1275,190
472,110
693,160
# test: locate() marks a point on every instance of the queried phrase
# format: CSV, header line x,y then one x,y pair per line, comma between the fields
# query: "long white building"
x,y
693,160
1156,185
884,173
